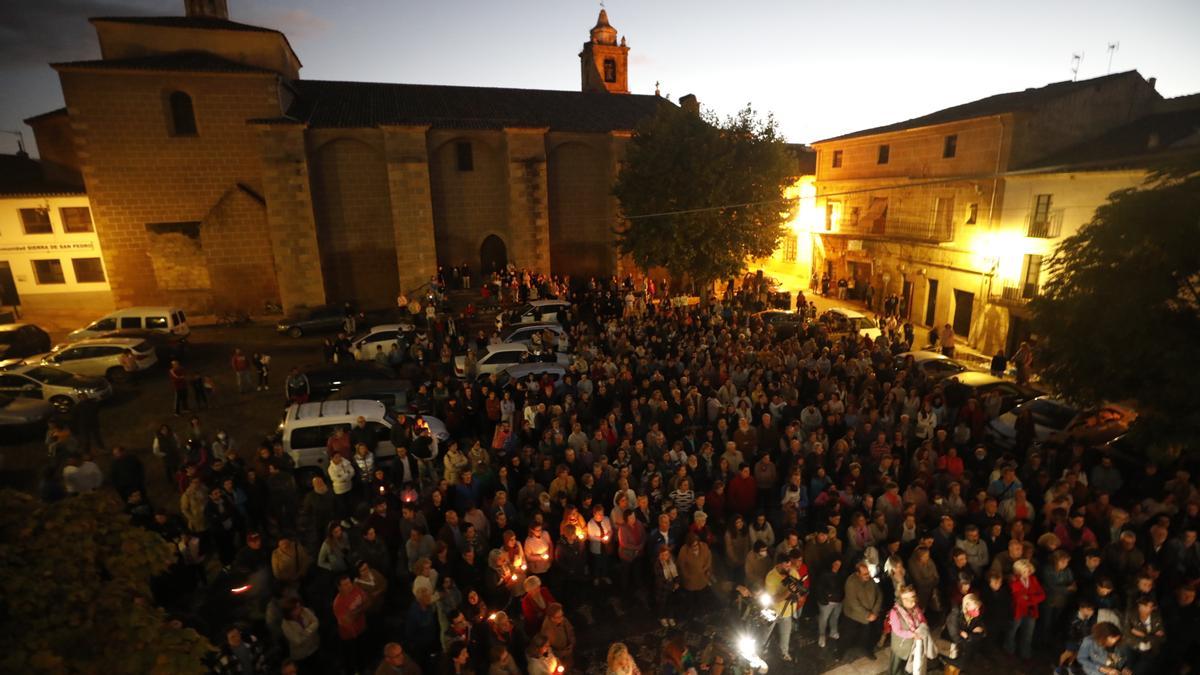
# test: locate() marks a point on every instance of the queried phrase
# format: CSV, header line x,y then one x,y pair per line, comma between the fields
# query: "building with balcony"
x,y
925,208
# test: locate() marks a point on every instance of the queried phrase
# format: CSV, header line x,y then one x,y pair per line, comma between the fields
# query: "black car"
x,y
18,340
320,319
785,323
326,380
970,384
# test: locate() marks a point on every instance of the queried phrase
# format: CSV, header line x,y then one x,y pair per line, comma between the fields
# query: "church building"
x,y
220,179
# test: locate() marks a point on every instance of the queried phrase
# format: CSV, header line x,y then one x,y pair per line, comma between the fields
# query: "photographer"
x,y
787,584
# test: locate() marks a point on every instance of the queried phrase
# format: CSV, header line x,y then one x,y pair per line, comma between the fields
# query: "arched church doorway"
x,y
493,255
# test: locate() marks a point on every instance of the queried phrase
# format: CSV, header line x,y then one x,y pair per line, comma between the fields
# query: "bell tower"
x,y
604,62
207,9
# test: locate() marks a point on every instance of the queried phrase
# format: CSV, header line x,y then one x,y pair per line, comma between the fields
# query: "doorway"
x,y
931,303
1018,332
493,255
906,301
8,287
964,305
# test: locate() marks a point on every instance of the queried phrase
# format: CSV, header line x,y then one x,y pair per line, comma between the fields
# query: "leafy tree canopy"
x,y
75,586
682,165
1121,312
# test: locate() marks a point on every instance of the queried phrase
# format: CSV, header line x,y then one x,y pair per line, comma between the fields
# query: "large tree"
x,y
75,586
701,196
1120,315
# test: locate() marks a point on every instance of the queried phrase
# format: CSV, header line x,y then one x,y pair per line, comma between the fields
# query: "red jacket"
x,y
534,615
741,495
1026,599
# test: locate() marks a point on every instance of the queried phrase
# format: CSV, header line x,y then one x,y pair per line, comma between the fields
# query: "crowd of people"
x,y
688,462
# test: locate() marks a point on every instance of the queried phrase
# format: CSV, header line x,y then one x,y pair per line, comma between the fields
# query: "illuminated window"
x,y
88,270
49,271
885,152
1031,275
950,146
183,116
790,245
610,70
36,221
837,158
76,219
466,158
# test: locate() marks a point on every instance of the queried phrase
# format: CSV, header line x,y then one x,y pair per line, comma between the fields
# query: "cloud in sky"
x,y
37,32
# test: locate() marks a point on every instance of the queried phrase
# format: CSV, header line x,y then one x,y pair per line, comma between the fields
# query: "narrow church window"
x,y
183,117
466,160
610,70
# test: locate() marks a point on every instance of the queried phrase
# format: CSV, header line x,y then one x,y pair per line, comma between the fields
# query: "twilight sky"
x,y
821,68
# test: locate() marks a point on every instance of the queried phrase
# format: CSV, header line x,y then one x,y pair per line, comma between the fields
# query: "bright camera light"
x,y
746,647
765,599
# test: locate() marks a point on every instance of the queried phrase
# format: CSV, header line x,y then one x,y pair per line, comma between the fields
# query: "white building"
x,y
50,261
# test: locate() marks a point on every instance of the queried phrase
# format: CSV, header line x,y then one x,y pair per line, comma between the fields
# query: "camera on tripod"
x,y
794,586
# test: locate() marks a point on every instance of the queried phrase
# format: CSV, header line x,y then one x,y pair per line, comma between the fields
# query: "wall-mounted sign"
x,y
854,245
41,248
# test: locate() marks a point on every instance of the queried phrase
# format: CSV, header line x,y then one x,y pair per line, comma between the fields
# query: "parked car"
x,y
539,311
162,319
500,356
167,346
306,427
100,357
786,323
325,379
843,321
364,344
972,384
524,372
1058,422
934,366
20,340
305,320
524,334
59,388
19,411
396,395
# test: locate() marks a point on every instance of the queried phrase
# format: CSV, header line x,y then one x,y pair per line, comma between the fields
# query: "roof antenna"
x,y
20,141
1076,60
1113,48
657,92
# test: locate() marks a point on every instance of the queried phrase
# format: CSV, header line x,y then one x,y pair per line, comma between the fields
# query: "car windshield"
x,y
1050,414
863,323
51,376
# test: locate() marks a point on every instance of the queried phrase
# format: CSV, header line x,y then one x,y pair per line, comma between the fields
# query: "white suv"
x,y
114,358
306,427
497,357
59,388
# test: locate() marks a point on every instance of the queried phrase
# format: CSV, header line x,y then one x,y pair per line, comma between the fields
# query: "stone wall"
x,y
412,210
528,213
290,222
237,252
137,174
469,205
353,210
581,226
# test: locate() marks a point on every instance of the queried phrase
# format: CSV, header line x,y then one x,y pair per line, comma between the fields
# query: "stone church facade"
x,y
220,179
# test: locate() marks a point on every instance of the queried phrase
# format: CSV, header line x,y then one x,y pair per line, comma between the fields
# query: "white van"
x,y
306,427
170,320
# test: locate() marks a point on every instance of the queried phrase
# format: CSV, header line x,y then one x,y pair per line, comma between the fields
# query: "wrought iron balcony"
x,y
1044,226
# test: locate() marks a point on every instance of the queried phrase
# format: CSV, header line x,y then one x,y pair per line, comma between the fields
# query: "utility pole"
x,y
1076,61
1113,47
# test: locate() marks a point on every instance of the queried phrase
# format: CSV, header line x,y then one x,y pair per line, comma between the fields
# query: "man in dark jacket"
x,y
127,473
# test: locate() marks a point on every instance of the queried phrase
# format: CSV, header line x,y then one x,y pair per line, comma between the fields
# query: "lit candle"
x,y
513,577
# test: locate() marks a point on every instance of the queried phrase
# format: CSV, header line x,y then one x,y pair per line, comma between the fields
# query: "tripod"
x,y
788,605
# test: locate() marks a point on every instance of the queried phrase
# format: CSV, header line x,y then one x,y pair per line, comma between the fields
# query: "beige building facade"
x,y
220,179
938,211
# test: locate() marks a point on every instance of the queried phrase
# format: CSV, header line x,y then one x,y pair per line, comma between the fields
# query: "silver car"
x,y
57,387
115,358
16,411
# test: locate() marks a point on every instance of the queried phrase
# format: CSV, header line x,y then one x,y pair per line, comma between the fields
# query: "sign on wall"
x,y
37,248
